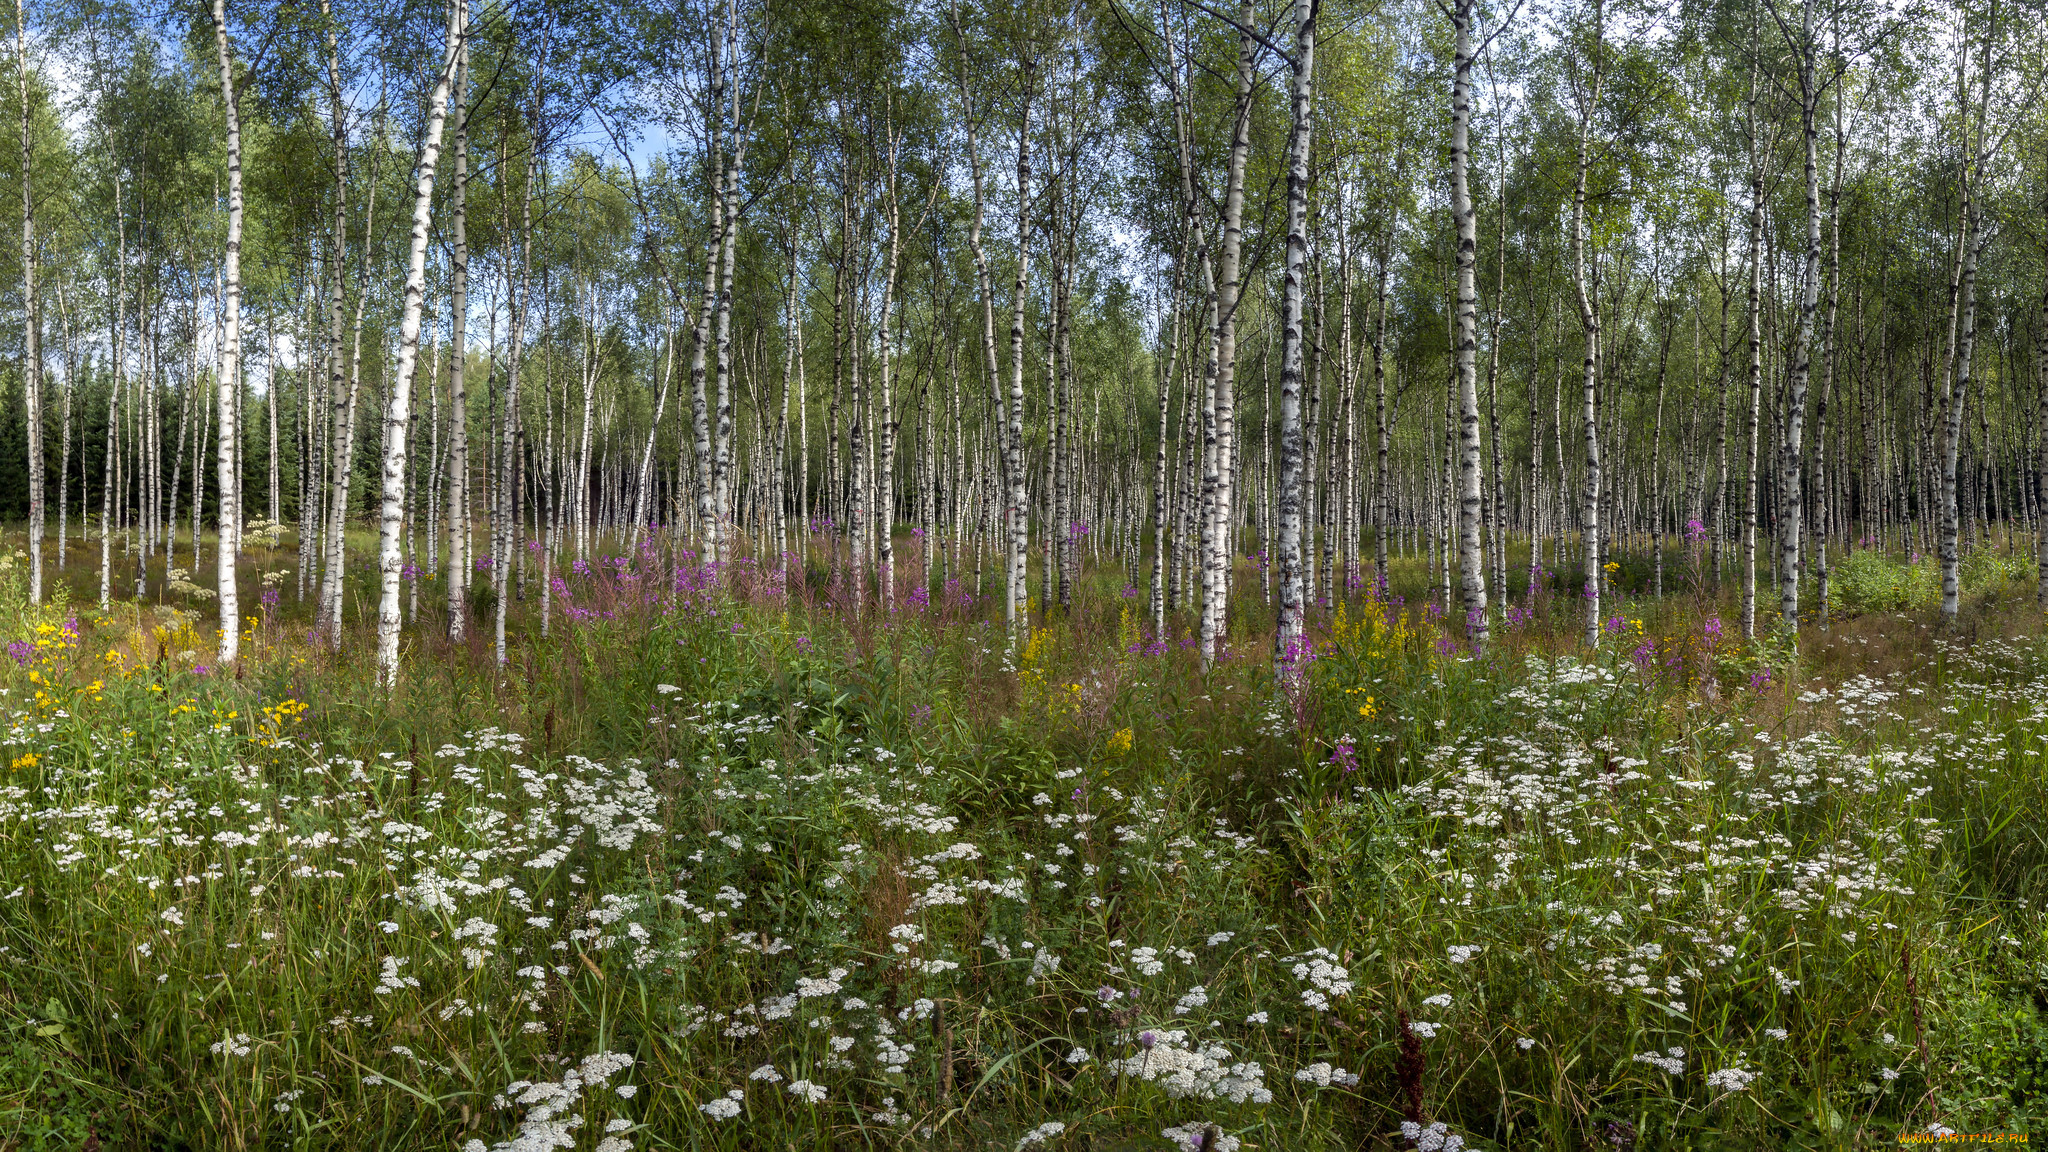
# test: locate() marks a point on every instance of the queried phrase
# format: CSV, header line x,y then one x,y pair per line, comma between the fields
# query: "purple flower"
x,y
1694,530
1345,756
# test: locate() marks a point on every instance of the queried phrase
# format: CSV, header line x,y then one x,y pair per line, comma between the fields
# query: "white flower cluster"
x,y
1326,980
1730,1079
240,1044
1189,1137
1436,1137
723,1107
550,1121
1040,1134
1197,1071
1673,1061
1322,1075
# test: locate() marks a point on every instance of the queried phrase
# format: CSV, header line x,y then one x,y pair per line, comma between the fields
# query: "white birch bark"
x,y
1018,514
1791,451
509,463
1287,636
31,350
1471,560
230,374
1589,321
398,407
458,352
1218,406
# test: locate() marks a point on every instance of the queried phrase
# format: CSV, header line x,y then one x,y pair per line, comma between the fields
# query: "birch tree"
x,y
230,375
31,351
398,410
1287,637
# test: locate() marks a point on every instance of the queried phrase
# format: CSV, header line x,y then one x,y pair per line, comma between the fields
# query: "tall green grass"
x,y
1681,890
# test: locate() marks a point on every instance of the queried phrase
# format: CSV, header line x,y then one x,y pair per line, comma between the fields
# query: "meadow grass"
x,y
723,864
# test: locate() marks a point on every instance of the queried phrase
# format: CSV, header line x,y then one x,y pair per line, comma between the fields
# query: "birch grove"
x,y
1221,310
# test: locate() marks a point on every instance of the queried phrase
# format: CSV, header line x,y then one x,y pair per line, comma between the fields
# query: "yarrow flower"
x,y
1436,1137
1201,1136
1040,1134
723,1107
1673,1062
1730,1079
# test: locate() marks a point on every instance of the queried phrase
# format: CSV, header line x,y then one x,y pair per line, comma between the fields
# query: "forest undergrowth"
x,y
722,864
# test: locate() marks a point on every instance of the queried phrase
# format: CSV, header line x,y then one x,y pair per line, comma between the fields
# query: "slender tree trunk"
x,y
885,423
229,380
64,461
458,352
2041,435
1471,560
31,354
1019,511
1218,472
1589,320
509,464
1288,635
108,481
1791,450
398,408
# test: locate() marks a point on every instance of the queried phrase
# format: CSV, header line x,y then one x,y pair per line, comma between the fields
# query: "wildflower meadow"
x,y
723,863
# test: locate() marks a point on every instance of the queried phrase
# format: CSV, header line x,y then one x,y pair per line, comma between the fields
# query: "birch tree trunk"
x,y
1791,450
458,351
1955,385
230,375
509,466
328,611
31,350
1471,559
1288,635
885,423
398,406
1218,399
270,398
1589,320
70,355
2041,436
1018,515
115,391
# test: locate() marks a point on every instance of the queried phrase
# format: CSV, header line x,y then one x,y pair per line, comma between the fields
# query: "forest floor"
x,y
724,865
